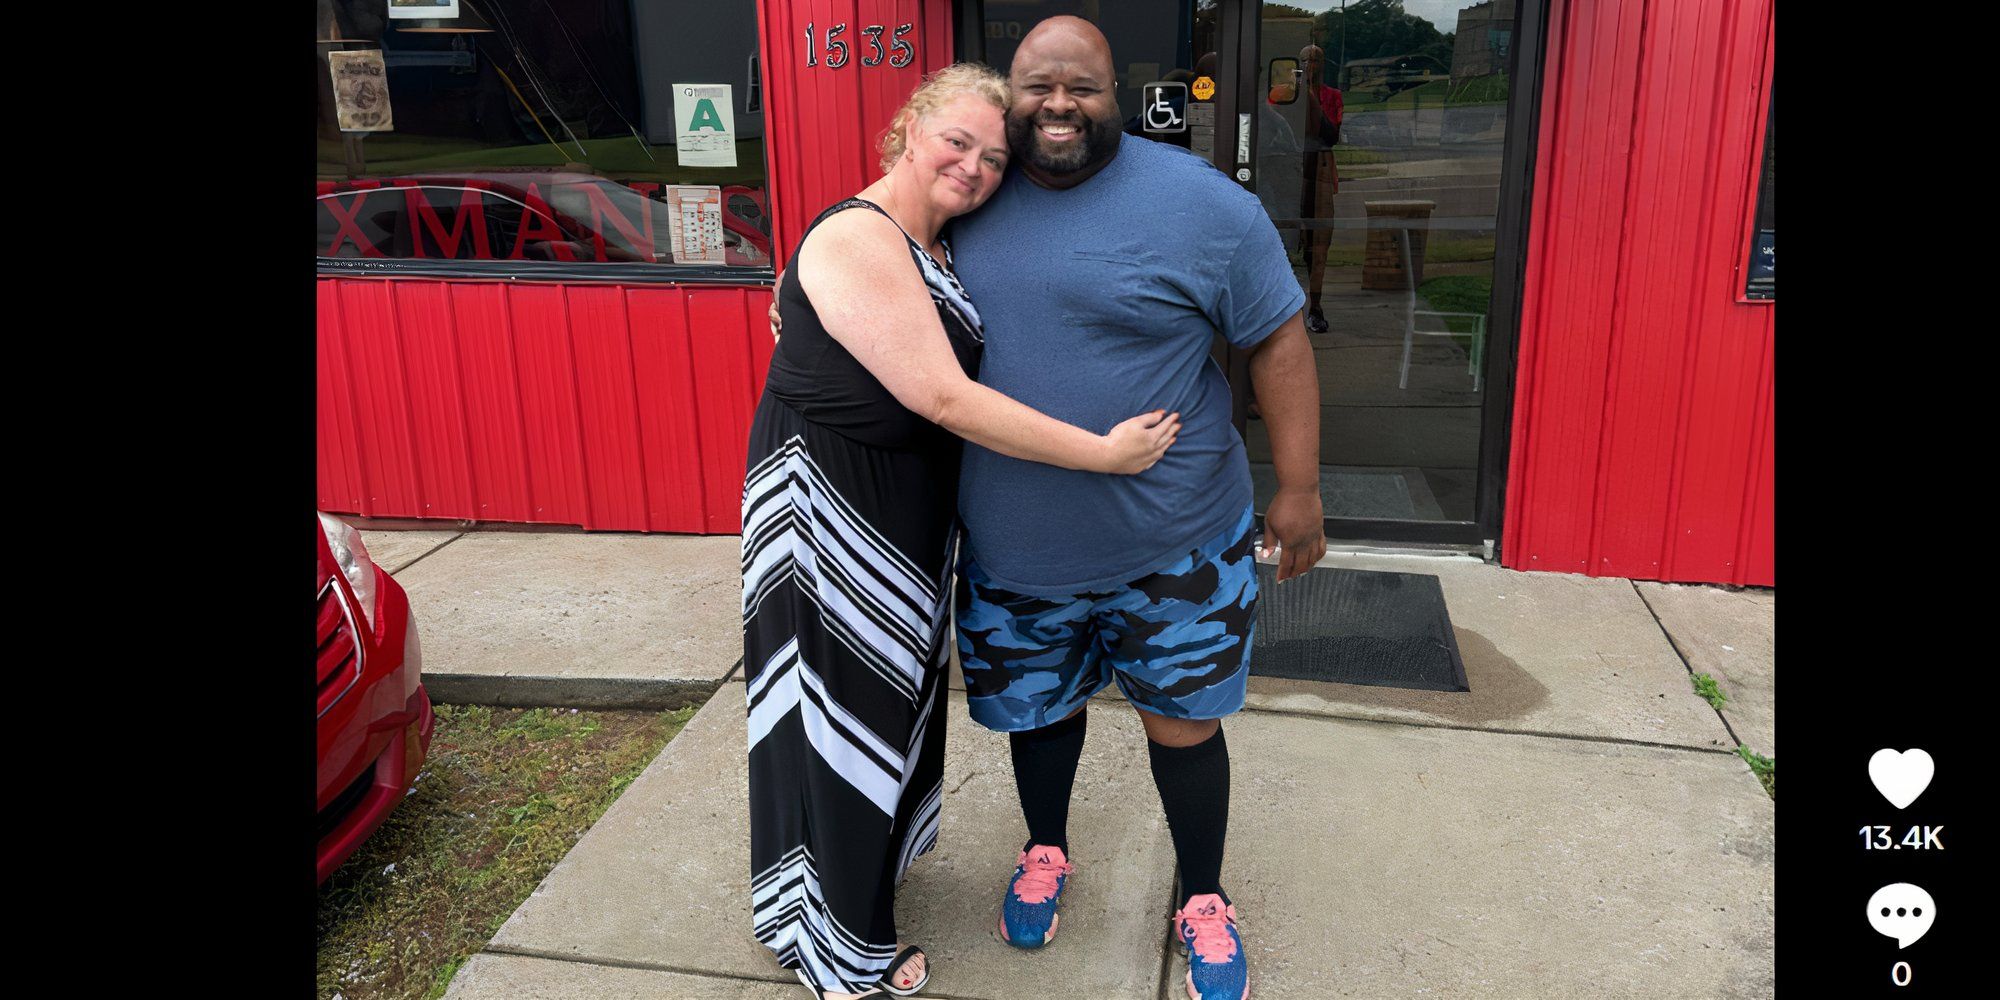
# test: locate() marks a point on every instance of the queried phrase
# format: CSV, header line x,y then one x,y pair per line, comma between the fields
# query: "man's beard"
x,y
1098,141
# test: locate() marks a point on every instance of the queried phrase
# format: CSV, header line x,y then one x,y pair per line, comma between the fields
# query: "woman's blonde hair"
x,y
937,90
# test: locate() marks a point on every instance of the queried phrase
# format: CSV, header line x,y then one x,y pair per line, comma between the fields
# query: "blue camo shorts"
x,y
1177,642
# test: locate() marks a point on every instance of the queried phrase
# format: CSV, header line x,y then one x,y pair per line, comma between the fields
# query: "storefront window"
x,y
600,138
1762,282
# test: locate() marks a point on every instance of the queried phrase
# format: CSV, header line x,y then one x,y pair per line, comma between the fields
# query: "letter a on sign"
x,y
704,125
705,116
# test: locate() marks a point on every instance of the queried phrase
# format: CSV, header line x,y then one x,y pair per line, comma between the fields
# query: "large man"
x,y
1103,270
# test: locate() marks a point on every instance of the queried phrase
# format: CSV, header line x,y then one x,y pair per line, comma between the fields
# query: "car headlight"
x,y
413,658
354,563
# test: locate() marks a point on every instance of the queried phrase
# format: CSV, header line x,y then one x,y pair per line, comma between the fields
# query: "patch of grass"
x,y
1436,93
1377,98
504,795
1459,293
1763,767
539,724
1480,90
1439,249
1705,686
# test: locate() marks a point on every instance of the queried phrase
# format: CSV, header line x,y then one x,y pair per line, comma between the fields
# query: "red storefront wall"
x,y
614,407
1643,409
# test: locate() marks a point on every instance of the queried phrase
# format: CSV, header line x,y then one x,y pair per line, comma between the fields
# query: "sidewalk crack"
x,y
1161,989
1682,655
426,553
1537,733
623,963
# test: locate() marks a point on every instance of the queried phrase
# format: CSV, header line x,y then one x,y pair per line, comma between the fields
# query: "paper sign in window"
x,y
695,223
423,8
361,91
704,125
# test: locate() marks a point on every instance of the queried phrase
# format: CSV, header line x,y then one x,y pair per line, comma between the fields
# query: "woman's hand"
x,y
772,313
1133,446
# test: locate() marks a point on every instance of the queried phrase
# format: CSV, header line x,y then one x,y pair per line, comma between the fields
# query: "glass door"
x,y
1378,142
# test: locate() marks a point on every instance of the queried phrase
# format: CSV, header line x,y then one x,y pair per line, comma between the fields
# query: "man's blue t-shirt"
x,y
1100,303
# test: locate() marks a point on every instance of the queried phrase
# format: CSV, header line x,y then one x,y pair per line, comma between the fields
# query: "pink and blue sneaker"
x,y
1028,913
1217,968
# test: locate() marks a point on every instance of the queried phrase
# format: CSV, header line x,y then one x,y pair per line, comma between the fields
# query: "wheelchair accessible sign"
x,y
1163,107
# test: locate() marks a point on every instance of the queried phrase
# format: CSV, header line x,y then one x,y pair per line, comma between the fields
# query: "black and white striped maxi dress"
x,y
849,520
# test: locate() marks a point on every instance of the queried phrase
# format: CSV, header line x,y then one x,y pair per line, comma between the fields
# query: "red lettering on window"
x,y
538,223
470,215
349,231
638,238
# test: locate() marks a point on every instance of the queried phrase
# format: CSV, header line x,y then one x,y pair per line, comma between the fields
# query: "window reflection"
x,y
542,131
1384,182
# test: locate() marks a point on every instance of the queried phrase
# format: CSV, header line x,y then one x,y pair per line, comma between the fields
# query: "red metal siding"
x,y
496,415
613,408
663,368
1641,433
822,124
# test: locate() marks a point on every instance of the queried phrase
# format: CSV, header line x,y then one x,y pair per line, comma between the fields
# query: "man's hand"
x,y
1286,380
773,313
1295,525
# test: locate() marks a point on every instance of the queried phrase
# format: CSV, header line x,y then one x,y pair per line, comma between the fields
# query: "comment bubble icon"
x,y
1901,911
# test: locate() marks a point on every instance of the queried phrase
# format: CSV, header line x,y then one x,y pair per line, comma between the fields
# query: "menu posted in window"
x,y
694,225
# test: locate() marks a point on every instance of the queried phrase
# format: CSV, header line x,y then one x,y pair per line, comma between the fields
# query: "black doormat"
x,y
1356,627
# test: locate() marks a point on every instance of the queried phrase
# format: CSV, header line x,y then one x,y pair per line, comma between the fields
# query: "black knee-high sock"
x,y
1194,790
1044,769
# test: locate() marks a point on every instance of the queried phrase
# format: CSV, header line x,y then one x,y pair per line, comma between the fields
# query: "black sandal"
x,y
902,958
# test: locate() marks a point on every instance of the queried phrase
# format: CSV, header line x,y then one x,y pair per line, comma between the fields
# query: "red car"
x,y
375,720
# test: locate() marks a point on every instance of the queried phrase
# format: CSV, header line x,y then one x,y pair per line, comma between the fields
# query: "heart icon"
x,y
1901,777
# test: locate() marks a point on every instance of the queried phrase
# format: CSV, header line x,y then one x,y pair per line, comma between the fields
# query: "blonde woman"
x,y
849,525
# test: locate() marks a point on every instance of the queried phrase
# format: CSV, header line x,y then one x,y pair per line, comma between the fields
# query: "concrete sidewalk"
x,y
561,618
1576,825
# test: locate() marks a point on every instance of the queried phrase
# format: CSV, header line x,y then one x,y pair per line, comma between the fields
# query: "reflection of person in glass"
x,y
1322,179
1279,153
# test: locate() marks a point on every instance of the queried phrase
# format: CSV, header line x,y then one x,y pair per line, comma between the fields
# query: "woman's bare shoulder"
x,y
857,229
859,242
